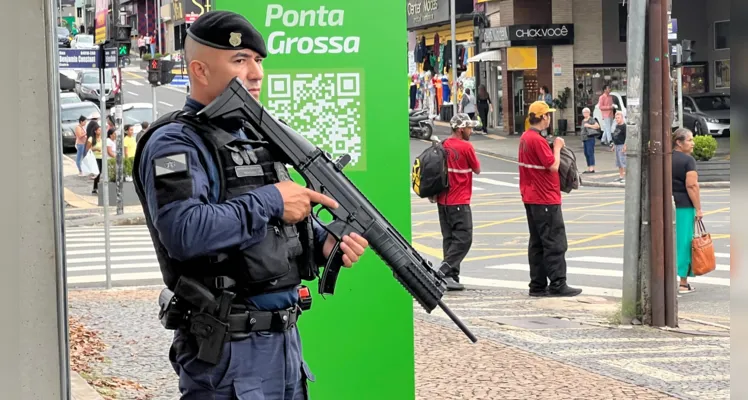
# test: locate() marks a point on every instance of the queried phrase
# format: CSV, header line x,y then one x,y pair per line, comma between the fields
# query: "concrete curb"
x,y
81,390
593,183
114,220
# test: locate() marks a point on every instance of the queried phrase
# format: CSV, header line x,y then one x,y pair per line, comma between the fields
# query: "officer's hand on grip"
x,y
297,201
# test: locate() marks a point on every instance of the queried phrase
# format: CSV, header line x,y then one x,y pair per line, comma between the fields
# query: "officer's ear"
x,y
198,72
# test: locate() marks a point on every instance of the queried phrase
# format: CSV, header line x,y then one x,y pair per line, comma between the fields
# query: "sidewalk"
x,y
559,349
81,207
498,144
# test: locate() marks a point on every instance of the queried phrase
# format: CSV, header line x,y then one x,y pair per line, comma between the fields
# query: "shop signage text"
x,y
542,34
426,12
189,10
280,43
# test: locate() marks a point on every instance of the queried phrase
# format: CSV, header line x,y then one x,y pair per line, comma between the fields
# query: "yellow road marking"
x,y
721,210
596,237
132,74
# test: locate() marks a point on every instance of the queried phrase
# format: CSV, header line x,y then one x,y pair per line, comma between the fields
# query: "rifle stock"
x,y
355,213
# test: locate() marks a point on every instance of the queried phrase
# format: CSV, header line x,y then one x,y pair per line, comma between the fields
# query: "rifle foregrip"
x,y
409,269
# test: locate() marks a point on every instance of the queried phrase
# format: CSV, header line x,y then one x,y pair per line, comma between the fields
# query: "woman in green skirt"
x,y
687,203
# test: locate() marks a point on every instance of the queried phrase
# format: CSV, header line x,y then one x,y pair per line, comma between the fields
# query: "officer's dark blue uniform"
x,y
191,223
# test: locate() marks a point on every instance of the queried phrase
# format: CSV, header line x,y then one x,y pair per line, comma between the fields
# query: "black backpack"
x,y
429,174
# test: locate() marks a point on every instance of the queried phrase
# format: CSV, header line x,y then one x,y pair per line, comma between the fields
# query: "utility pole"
x,y
118,109
635,121
452,16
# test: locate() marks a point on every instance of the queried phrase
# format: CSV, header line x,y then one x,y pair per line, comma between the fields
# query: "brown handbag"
x,y
702,250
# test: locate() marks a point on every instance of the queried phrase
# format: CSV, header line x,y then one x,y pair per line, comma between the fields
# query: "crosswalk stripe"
x,y
135,276
102,267
609,273
134,82
590,291
499,173
619,261
477,188
111,244
84,260
100,238
101,250
495,182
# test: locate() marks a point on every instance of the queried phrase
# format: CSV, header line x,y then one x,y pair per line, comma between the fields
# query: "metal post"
x,y
452,17
671,313
158,27
657,260
630,301
104,179
680,95
118,118
153,96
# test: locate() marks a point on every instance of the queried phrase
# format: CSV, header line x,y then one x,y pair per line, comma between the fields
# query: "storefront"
x,y
527,64
431,51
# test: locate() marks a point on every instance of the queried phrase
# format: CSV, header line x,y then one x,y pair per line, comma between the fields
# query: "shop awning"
x,y
491,55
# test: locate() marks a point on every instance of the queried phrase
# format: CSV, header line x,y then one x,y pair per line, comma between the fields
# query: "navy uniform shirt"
x,y
198,225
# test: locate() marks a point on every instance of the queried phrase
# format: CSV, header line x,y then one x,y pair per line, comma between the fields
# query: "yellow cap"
x,y
540,108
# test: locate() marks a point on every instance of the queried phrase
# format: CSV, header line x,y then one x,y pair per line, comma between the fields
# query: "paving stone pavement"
x,y
581,360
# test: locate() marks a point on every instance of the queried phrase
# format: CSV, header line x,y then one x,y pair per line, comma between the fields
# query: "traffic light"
x,y
123,49
686,50
122,33
159,72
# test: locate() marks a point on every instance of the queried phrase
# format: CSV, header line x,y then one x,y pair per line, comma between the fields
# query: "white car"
x,y
619,99
135,113
69,98
82,41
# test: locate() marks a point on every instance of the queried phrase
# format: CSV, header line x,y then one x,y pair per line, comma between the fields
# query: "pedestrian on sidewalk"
x,y
128,142
141,45
80,143
619,141
468,104
540,187
455,216
687,203
605,103
589,132
484,106
93,143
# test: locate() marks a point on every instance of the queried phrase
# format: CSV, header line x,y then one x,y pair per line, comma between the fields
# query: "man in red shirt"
x,y
541,192
455,217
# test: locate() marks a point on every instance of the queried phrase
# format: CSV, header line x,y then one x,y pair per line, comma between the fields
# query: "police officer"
x,y
215,218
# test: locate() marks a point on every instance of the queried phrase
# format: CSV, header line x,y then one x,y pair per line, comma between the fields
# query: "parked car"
x,y
707,113
63,37
83,41
619,99
88,88
69,115
135,113
69,98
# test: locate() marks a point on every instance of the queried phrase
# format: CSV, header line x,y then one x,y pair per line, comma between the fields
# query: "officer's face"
x,y
244,64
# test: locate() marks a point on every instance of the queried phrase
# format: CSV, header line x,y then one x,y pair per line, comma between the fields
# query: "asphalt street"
x,y
138,90
594,224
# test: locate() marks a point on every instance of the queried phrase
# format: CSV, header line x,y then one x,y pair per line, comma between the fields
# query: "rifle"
x,y
355,213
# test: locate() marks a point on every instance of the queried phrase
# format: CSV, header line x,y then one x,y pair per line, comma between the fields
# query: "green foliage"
x,y
127,168
147,56
562,101
704,147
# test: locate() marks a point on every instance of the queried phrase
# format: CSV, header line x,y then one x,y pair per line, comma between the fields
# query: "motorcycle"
x,y
421,126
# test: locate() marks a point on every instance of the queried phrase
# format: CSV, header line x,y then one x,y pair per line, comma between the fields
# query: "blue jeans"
x,y
589,151
79,154
607,127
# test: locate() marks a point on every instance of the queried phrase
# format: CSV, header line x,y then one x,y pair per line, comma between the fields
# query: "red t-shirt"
x,y
461,161
537,183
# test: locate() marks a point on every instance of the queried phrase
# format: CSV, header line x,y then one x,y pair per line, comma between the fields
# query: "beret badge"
x,y
235,39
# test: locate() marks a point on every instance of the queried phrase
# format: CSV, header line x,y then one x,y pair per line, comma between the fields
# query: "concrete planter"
x,y
129,196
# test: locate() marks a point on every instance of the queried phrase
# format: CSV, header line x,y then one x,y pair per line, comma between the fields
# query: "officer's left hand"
x,y
353,247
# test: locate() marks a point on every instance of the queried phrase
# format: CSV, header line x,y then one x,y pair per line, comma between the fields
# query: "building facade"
x,y
581,45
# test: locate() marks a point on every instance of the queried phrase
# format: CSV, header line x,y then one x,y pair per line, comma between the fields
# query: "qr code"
x,y
323,107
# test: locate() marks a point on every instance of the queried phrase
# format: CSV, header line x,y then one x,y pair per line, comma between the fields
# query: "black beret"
x,y
226,30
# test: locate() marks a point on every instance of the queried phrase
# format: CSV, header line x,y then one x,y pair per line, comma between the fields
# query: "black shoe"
x,y
538,293
565,291
453,284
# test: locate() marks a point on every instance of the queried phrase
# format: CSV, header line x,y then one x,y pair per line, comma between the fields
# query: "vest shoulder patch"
x,y
171,164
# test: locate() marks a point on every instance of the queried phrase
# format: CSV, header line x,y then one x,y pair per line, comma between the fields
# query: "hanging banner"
x,y
337,82
100,24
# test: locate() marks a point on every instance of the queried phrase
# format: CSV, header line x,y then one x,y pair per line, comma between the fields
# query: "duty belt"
x,y
258,321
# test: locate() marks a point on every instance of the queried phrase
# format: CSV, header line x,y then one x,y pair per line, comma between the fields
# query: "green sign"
x,y
339,83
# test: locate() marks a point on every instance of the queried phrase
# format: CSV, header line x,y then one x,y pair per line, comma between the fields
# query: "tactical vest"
x,y
280,261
